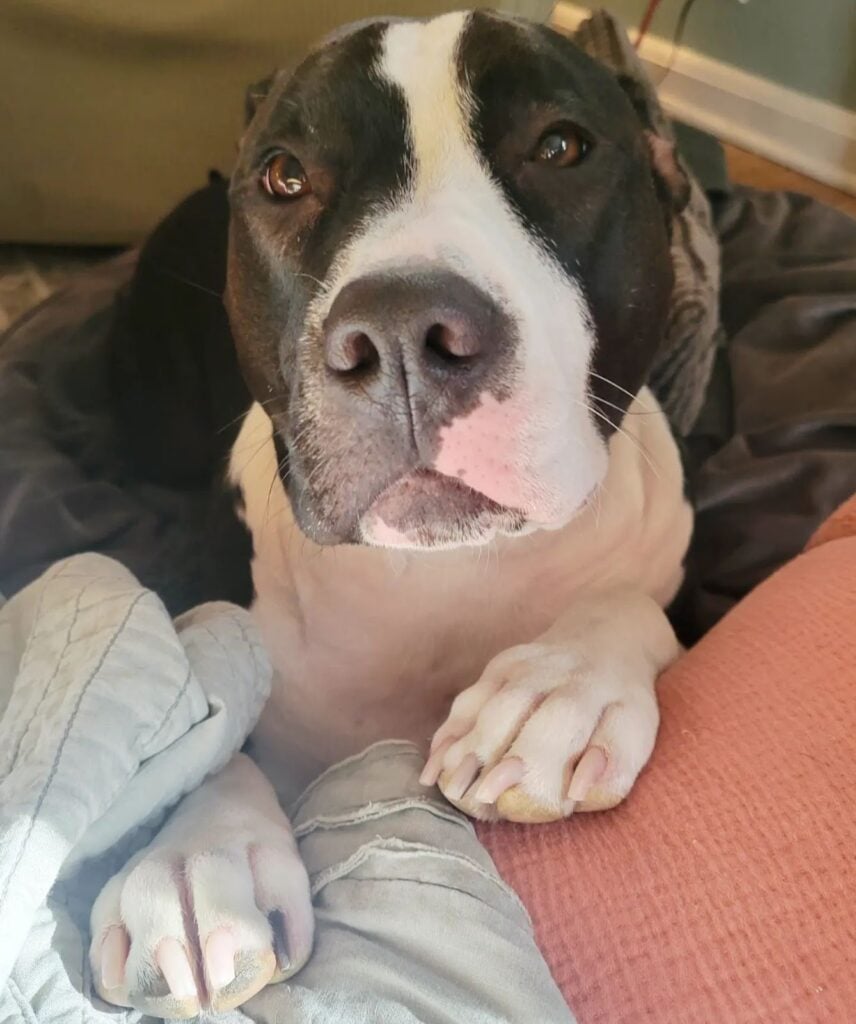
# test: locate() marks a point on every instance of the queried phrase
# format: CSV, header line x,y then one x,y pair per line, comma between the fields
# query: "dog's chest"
x,y
370,644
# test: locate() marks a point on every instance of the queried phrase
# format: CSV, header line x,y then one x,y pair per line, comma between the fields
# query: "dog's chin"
x,y
425,509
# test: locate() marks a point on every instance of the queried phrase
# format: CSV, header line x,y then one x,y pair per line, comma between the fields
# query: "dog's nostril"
x,y
450,345
352,352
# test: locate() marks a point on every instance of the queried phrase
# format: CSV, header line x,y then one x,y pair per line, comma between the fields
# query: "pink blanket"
x,y
724,889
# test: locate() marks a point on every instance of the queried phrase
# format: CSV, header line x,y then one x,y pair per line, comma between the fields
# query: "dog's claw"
x,y
114,953
220,952
462,778
172,959
434,765
509,772
588,771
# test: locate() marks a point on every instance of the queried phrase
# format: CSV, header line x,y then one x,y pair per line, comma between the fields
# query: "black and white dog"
x,y
448,276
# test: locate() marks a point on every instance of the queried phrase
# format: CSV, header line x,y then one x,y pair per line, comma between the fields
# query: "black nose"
x,y
431,323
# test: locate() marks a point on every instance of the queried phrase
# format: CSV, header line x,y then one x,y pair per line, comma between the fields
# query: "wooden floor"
x,y
748,169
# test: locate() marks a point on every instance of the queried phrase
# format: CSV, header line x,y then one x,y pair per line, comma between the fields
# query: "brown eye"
x,y
285,178
561,147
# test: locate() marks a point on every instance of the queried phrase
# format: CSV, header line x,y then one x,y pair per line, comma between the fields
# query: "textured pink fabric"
x,y
841,524
724,890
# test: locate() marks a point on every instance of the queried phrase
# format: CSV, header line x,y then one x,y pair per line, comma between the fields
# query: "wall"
x,y
806,45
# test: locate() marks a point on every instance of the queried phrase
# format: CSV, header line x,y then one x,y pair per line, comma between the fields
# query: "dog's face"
x,y
448,272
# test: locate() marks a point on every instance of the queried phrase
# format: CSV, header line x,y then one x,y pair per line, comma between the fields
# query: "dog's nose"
x,y
430,323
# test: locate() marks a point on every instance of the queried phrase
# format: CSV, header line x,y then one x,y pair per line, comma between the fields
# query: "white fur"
x,y
587,681
369,643
455,216
229,854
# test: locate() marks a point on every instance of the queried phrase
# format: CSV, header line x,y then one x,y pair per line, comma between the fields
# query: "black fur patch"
x,y
178,401
602,219
347,127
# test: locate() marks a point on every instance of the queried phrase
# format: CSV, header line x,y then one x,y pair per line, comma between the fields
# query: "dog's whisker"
x,y
618,387
254,445
231,423
633,440
600,492
249,446
627,412
276,477
311,277
264,402
181,279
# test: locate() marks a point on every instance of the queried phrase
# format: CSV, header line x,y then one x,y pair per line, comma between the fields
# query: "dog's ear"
x,y
670,178
673,186
254,96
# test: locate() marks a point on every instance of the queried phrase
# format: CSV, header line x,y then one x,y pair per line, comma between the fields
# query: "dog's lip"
x,y
444,497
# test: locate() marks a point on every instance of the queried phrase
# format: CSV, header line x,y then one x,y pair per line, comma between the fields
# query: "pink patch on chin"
x,y
380,533
480,450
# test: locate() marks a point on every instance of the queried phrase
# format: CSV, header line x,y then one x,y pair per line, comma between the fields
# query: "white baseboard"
x,y
797,131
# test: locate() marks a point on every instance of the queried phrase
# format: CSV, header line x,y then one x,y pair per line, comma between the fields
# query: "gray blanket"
x,y
109,713
773,451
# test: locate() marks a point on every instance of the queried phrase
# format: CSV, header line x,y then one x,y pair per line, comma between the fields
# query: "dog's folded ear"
x,y
254,96
671,181
604,38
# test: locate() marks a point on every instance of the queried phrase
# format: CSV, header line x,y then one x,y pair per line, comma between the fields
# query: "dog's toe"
x,y
177,932
545,732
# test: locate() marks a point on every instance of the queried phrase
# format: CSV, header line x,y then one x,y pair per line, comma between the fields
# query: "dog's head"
x,y
448,273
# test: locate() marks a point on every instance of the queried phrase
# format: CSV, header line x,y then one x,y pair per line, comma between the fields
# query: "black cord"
x,y
681,23
680,26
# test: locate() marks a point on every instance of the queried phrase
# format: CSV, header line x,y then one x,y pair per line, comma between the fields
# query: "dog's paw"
x,y
203,918
174,934
550,728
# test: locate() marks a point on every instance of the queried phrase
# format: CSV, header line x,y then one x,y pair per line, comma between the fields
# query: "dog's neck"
x,y
369,643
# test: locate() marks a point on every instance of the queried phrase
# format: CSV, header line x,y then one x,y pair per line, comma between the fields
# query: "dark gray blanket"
x,y
774,450
115,420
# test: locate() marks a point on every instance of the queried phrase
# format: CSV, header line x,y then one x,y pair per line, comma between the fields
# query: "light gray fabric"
x,y
110,713
413,924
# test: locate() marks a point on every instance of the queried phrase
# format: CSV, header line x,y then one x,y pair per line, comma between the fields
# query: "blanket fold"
x,y
109,713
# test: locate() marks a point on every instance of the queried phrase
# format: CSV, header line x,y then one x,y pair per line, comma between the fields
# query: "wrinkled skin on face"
x,y
449,317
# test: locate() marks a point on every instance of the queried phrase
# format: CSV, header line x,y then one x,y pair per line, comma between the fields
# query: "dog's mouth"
x,y
425,508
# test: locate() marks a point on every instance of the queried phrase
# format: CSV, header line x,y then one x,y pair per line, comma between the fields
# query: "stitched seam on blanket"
x,y
33,635
403,848
437,884
23,1003
59,752
401,747
112,598
226,654
380,809
69,643
168,713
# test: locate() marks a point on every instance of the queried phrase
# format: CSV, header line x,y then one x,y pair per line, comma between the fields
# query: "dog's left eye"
x,y
562,146
285,178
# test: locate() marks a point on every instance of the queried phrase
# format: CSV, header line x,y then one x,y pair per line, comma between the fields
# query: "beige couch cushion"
x,y
113,109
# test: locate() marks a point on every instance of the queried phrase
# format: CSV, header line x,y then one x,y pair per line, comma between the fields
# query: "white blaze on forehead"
x,y
421,59
454,215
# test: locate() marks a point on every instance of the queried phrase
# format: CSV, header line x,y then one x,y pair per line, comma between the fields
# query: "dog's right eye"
x,y
563,145
285,178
